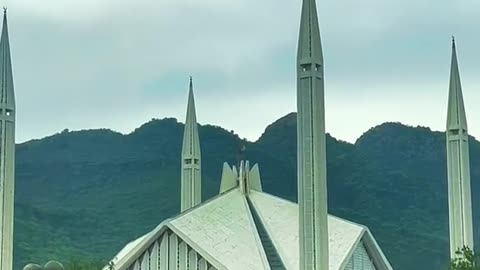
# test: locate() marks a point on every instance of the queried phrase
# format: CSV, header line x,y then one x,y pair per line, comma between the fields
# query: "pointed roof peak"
x,y
7,92
454,51
5,25
191,141
190,90
4,16
456,118
309,44
191,102
191,85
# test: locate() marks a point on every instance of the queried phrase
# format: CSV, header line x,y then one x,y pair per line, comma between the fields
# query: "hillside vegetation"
x,y
85,194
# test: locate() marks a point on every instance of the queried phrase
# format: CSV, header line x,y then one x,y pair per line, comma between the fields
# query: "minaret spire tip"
x,y
453,41
191,82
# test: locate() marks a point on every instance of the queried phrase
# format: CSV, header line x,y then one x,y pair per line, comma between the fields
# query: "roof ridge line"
x,y
261,251
257,219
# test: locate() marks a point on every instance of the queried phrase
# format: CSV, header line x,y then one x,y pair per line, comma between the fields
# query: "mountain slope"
x,y
87,193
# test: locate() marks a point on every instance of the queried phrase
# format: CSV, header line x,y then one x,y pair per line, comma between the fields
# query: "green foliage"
x,y
88,193
467,260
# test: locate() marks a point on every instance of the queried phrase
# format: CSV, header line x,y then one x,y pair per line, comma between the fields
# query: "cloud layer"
x,y
104,63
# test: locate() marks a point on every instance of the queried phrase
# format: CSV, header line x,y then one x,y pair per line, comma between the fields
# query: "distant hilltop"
x,y
84,194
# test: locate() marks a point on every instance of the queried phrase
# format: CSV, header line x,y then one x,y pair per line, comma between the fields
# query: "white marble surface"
x,y
223,229
280,218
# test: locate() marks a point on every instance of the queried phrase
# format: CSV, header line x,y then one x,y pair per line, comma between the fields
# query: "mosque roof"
x,y
229,231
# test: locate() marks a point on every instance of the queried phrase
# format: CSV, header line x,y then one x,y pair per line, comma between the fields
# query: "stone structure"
x,y
51,265
191,175
32,266
54,265
7,150
311,153
458,162
244,228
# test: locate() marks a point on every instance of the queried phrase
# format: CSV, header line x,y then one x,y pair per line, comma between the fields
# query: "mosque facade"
x,y
245,228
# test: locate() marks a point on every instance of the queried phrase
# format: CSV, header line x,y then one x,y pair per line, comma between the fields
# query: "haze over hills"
x,y
85,194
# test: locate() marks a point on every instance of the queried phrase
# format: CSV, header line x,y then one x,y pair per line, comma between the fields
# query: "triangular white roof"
x,y
223,228
222,231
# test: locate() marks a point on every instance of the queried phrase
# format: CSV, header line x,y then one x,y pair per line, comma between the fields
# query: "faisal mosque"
x,y
243,227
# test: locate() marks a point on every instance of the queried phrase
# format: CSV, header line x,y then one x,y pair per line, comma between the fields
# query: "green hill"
x,y
86,194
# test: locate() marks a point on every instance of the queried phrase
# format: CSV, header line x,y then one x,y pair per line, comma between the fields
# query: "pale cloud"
x,y
116,64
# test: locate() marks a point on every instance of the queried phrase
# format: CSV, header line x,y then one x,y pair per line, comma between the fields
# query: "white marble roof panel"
x,y
280,218
224,229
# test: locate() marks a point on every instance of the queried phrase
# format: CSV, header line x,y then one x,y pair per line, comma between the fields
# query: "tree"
x,y
466,260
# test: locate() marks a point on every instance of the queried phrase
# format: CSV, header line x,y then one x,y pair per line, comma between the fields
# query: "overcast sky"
x,y
83,64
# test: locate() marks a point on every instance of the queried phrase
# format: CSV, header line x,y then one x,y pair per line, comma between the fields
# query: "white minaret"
x,y
191,185
7,150
458,162
312,168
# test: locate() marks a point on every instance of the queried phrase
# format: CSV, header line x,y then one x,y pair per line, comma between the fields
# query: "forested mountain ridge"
x,y
85,194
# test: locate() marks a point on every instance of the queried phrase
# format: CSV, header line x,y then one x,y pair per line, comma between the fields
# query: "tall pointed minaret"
x,y
312,169
191,185
7,150
458,162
